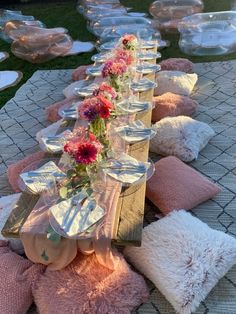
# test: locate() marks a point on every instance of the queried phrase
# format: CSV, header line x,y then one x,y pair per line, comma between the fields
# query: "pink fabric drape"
x,y
34,232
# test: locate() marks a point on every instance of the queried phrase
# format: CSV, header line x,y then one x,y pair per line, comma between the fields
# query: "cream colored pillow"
x,y
176,82
184,258
180,136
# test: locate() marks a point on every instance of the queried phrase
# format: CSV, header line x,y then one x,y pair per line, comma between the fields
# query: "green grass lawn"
x,y
64,14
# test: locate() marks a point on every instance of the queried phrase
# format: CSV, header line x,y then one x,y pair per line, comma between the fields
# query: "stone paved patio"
x,y
23,116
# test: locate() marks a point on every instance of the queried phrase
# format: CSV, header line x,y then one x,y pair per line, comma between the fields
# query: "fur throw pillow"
x,y
180,136
184,258
85,286
177,64
172,105
175,82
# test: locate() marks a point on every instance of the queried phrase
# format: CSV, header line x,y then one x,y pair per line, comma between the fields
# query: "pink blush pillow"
x,y
177,64
52,110
85,286
80,73
172,105
14,170
18,276
175,185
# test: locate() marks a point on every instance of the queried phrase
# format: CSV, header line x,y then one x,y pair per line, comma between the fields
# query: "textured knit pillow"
x,y
175,185
184,258
180,136
175,82
177,64
18,276
172,105
85,286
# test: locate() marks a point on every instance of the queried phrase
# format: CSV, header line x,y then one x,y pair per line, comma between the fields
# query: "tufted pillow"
x,y
177,64
172,105
85,286
180,136
18,276
175,185
175,82
184,258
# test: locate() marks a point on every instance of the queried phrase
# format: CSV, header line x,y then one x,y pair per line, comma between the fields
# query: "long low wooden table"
x,y
130,208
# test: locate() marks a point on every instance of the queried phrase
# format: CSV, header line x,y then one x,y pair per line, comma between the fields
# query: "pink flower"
x,y
114,67
124,55
105,90
128,38
129,41
104,112
95,107
84,149
86,153
89,109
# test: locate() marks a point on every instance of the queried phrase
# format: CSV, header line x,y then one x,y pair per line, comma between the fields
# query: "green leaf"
x,y
70,173
53,236
89,191
44,256
63,192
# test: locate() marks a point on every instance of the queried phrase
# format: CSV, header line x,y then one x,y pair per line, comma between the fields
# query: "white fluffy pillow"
x,y
176,82
184,258
180,136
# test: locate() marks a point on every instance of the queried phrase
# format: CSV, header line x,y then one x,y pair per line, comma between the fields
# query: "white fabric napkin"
x,y
54,144
49,130
133,106
135,132
39,180
69,91
142,85
126,169
86,90
69,112
75,218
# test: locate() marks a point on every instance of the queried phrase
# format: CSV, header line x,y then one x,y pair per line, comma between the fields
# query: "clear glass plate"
x,y
86,91
89,233
101,57
132,107
108,45
143,85
146,176
132,134
70,113
33,167
145,56
94,71
147,68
